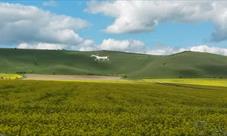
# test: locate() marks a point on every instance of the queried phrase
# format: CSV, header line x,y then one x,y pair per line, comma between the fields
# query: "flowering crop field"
x,y
192,81
111,108
4,76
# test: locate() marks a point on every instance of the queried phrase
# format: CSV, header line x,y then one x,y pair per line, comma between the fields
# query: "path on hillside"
x,y
68,77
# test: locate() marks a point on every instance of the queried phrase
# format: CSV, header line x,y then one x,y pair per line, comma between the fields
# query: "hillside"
x,y
185,64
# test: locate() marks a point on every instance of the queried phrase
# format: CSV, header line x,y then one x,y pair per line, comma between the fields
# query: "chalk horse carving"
x,y
100,58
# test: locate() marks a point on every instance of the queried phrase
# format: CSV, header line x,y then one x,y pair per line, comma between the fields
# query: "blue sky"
x,y
169,33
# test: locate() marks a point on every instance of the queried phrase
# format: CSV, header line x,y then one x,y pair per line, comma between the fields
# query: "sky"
x,y
140,26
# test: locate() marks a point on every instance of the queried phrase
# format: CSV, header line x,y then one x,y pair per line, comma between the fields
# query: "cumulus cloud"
x,y
197,48
34,28
122,45
133,46
164,51
48,46
140,16
205,48
137,46
87,45
31,27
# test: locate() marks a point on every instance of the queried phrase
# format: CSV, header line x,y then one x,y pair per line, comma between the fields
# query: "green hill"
x,y
185,64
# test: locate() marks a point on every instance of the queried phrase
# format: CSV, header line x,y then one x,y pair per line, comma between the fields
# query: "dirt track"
x,y
68,77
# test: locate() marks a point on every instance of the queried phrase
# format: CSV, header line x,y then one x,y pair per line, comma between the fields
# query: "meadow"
x,y
111,108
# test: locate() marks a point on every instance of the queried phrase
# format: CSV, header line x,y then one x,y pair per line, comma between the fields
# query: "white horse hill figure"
x,y
100,58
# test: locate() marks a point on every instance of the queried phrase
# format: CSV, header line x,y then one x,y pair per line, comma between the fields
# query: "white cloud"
x,y
139,16
197,48
86,45
122,45
34,28
133,46
137,46
37,28
163,51
48,46
205,48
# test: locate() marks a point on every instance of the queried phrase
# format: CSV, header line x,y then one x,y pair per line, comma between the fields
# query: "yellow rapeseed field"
x,y
193,81
112,108
4,76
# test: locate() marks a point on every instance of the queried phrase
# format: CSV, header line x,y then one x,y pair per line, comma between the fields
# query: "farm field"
x,y
5,76
113,68
195,81
111,108
93,78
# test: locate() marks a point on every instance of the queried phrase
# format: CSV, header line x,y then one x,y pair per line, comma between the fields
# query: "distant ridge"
x,y
180,65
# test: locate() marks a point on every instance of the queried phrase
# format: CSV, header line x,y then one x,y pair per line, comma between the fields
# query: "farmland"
x,y
113,67
4,76
197,81
111,108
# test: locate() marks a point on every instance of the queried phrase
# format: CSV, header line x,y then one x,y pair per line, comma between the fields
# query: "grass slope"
x,y
77,108
186,64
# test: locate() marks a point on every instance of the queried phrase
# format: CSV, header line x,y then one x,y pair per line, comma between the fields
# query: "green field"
x,y
130,65
111,108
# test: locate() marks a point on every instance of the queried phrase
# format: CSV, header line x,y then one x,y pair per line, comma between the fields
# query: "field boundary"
x,y
68,77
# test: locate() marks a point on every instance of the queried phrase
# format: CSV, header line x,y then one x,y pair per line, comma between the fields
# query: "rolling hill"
x,y
180,65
